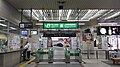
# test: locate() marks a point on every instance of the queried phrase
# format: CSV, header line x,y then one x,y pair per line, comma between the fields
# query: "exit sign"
x,y
62,25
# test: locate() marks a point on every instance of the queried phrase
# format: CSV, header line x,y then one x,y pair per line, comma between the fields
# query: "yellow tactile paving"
x,y
24,64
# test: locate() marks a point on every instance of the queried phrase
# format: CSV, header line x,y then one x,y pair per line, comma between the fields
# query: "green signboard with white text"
x,y
62,25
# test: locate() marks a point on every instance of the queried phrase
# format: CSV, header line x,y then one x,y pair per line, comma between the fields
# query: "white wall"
x,y
10,13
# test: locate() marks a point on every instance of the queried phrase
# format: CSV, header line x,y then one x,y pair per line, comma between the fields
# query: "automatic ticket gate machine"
x,y
40,52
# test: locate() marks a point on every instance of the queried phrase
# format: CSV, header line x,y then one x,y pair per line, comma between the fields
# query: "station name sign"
x,y
60,25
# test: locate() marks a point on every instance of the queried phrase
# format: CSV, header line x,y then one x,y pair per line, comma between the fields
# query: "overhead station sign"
x,y
62,25
26,25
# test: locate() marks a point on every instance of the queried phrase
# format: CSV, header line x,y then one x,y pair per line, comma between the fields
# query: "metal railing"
x,y
97,54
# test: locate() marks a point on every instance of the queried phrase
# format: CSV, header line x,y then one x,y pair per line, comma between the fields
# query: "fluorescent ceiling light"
x,y
41,12
60,20
107,24
88,14
35,17
60,12
99,13
42,23
3,25
69,14
114,15
34,11
2,20
51,14
39,23
81,23
45,18
13,28
106,14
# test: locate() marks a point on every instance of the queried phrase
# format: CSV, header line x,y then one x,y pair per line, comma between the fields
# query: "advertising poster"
x,y
73,42
13,41
3,39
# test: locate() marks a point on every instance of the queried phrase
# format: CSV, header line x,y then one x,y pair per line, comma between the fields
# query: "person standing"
x,y
28,47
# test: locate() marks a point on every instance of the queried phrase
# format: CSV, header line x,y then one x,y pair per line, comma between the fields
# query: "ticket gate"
x,y
50,53
67,55
79,55
40,52
39,55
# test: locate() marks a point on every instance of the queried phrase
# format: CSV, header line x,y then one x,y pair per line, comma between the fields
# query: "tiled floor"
x,y
96,63
89,63
54,65
59,54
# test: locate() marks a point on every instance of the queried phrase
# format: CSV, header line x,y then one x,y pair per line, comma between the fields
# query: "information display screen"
x,y
34,32
58,25
24,25
59,34
24,32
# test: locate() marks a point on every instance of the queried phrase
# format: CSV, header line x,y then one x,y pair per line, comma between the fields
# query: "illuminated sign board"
x,y
26,25
62,25
33,32
108,30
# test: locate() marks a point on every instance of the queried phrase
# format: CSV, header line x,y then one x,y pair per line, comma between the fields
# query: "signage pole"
x,y
117,38
31,15
21,14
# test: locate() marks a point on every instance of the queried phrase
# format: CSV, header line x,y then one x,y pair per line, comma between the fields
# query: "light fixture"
x,y
49,21
99,13
60,13
3,25
103,31
60,20
41,12
51,14
69,14
114,15
35,15
13,28
34,11
107,24
103,16
89,14
2,20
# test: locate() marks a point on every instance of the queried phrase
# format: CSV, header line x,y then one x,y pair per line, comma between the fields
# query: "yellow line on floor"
x,y
24,64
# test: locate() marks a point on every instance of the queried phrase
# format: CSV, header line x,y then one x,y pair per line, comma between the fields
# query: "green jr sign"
x,y
61,25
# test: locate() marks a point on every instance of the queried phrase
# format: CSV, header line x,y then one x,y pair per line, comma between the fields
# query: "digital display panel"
x,y
59,34
34,32
28,25
24,32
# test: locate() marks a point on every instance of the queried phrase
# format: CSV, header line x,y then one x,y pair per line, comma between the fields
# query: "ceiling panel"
x,y
71,15
67,4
